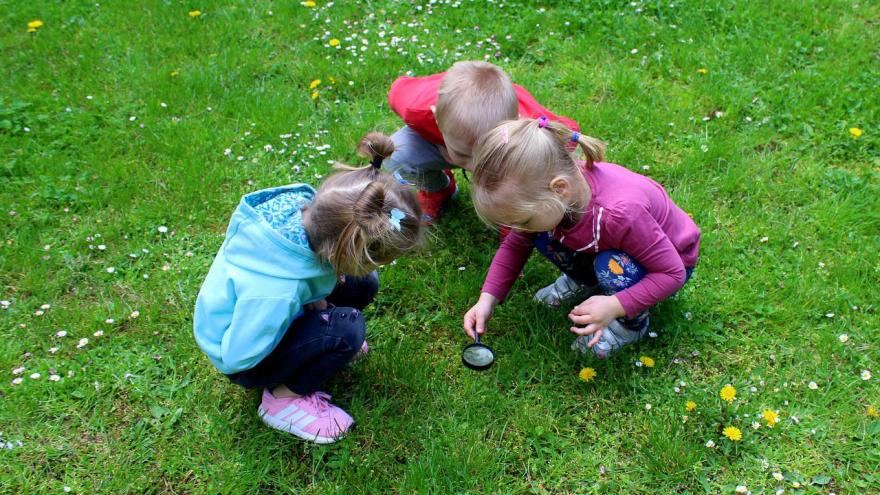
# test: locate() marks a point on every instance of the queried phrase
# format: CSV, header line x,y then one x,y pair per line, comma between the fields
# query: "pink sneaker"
x,y
310,417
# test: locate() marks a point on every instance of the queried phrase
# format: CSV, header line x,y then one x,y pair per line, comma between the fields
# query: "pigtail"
x,y
366,223
376,147
594,149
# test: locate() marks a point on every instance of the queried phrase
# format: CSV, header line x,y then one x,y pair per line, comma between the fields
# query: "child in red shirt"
x,y
444,114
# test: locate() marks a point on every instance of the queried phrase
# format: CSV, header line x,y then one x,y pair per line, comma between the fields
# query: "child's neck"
x,y
570,219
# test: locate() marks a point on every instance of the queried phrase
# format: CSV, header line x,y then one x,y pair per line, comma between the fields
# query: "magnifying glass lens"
x,y
477,356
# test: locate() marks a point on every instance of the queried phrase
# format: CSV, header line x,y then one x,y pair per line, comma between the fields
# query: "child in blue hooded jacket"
x,y
281,306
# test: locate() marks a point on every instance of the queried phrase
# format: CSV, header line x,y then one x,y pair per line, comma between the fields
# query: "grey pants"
x,y
417,162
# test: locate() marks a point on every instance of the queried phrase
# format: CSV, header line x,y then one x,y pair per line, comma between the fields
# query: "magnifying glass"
x,y
478,356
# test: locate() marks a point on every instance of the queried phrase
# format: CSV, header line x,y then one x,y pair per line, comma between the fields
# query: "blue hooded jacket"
x,y
263,275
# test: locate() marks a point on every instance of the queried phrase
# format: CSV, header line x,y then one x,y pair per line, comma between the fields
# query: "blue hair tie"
x,y
575,136
543,121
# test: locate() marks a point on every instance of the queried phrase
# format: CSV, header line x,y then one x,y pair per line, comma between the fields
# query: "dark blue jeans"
x,y
612,270
318,344
577,265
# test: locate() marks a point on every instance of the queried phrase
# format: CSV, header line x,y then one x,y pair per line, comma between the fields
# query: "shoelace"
x,y
320,400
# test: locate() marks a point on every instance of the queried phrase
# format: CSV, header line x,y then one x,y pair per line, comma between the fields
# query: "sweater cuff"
x,y
496,291
632,310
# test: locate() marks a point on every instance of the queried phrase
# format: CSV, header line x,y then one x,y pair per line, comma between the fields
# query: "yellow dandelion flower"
x,y
770,417
872,412
315,94
314,84
587,374
195,13
308,3
733,433
35,24
728,393
32,30
648,362
690,405
174,73
855,132
703,70
333,42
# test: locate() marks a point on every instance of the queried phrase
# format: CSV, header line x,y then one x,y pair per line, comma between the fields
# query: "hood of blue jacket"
x,y
255,244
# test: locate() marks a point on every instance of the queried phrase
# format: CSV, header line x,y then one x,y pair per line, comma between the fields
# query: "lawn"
x,y
129,131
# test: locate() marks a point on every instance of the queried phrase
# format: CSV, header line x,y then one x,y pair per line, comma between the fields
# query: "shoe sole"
x,y
287,427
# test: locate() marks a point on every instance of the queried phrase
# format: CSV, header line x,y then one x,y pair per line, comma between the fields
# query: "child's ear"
x,y
561,187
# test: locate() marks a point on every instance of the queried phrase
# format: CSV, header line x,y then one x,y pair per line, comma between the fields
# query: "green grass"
x,y
129,107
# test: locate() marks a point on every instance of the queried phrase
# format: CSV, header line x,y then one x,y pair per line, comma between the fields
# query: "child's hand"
x,y
476,318
317,305
596,313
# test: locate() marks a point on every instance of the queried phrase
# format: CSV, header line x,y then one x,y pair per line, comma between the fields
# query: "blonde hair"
x,y
473,97
515,163
363,217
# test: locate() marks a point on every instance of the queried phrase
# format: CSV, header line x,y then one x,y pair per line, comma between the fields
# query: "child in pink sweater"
x,y
600,223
